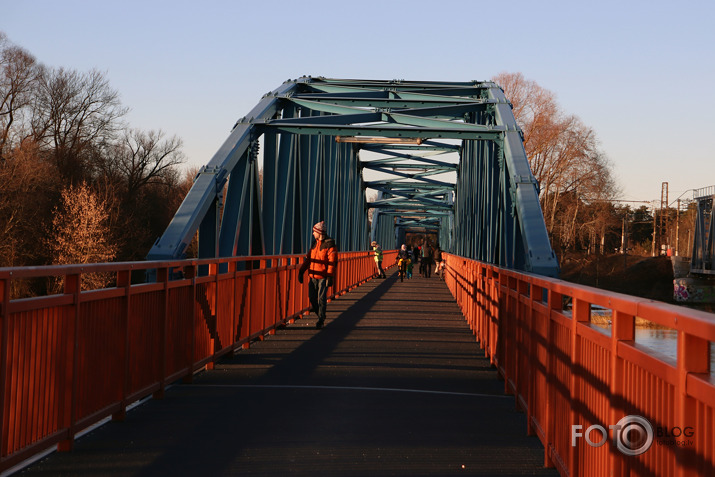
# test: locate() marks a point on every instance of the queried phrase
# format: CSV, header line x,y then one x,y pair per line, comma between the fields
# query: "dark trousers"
x,y
379,269
428,266
318,294
403,270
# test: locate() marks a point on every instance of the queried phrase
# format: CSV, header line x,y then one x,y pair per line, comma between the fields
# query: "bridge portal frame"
x,y
491,212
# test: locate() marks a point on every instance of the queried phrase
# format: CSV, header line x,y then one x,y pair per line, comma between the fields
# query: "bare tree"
x,y
563,154
61,128
18,76
370,197
144,158
187,181
140,172
75,115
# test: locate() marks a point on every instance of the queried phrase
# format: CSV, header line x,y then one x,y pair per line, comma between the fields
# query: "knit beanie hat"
x,y
320,227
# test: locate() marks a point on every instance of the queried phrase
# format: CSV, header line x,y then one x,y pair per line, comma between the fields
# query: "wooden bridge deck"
x,y
395,384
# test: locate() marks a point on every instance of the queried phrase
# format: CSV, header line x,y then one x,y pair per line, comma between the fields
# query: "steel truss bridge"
x,y
703,260
444,157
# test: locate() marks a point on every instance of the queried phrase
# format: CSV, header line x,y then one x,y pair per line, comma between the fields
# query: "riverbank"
x,y
645,277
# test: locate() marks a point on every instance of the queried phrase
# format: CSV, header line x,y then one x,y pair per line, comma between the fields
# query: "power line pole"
x,y
677,230
655,232
624,241
663,226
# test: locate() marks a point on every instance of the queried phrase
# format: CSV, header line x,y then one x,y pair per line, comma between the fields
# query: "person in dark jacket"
x,y
439,263
426,259
320,262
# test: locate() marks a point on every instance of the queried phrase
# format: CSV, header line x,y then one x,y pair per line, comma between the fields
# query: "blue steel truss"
x,y
703,261
445,157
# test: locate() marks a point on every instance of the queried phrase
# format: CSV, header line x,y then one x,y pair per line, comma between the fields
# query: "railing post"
x,y
536,291
264,271
4,326
522,331
555,305
693,358
249,301
296,288
232,270
495,309
581,313
623,329
162,276
505,330
124,281
484,307
278,295
213,308
473,301
290,287
190,272
73,286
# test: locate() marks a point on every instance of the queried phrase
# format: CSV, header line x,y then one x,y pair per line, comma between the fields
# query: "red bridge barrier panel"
x,y
574,380
70,360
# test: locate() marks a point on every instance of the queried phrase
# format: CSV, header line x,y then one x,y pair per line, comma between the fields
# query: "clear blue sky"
x,y
640,73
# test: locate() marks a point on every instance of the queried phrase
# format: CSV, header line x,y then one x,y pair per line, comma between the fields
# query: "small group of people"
x,y
322,258
407,257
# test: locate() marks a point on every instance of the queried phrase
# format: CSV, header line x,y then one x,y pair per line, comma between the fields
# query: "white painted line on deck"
x,y
344,388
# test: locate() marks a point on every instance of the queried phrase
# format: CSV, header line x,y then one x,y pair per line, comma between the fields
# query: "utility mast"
x,y
663,226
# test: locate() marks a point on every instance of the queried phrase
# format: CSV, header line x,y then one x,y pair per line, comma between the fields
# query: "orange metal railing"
x,y
70,360
581,387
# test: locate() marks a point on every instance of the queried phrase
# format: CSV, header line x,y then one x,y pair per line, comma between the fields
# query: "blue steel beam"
x,y
432,146
404,207
445,131
531,238
206,191
438,168
703,260
386,102
389,170
422,185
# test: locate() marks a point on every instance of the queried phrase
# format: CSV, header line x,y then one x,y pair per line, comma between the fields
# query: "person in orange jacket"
x,y
320,262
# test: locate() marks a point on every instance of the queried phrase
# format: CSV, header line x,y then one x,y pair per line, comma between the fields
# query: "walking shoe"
x,y
319,324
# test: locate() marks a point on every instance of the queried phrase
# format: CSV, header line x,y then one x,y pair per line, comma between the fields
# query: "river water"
x,y
661,340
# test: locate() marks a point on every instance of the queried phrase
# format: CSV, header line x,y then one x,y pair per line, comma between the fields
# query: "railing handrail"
x,y
59,270
708,191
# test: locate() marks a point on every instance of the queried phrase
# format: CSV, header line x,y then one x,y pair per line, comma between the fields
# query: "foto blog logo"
x,y
632,435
